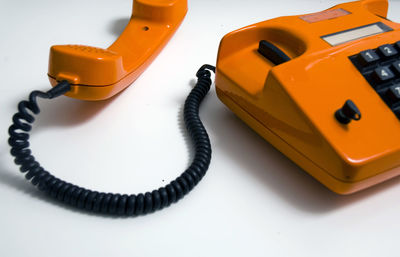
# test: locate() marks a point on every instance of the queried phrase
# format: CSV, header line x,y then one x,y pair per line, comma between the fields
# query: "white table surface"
x,y
252,202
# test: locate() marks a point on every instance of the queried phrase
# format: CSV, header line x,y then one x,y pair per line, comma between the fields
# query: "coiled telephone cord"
x,y
108,203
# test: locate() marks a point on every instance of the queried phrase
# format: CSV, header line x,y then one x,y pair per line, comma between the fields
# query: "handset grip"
x,y
96,73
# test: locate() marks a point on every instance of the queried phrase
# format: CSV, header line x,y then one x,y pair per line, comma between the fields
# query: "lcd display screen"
x,y
356,33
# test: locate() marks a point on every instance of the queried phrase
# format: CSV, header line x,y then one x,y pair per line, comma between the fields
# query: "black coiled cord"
x,y
108,203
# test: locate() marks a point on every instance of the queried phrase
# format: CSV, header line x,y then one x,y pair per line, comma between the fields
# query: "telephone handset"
x,y
108,71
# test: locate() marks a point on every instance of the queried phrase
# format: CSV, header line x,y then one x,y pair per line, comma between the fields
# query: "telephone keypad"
x,y
381,68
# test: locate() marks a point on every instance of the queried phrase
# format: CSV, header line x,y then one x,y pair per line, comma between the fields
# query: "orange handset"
x,y
96,73
323,88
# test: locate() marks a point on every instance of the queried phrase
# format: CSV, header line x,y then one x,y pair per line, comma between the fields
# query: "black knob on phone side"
x,y
348,112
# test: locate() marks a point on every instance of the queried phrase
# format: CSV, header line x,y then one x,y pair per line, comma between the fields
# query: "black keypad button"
x,y
383,74
396,67
387,51
394,93
367,57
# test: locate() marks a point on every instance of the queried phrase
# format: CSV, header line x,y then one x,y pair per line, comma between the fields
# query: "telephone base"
x,y
336,185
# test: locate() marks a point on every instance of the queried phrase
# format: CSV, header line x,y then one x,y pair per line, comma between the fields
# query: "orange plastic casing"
x,y
292,105
96,73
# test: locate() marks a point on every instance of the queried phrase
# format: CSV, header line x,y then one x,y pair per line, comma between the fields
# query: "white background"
x,y
252,202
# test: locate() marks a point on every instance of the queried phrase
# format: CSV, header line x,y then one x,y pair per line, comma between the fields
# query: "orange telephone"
x,y
323,88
